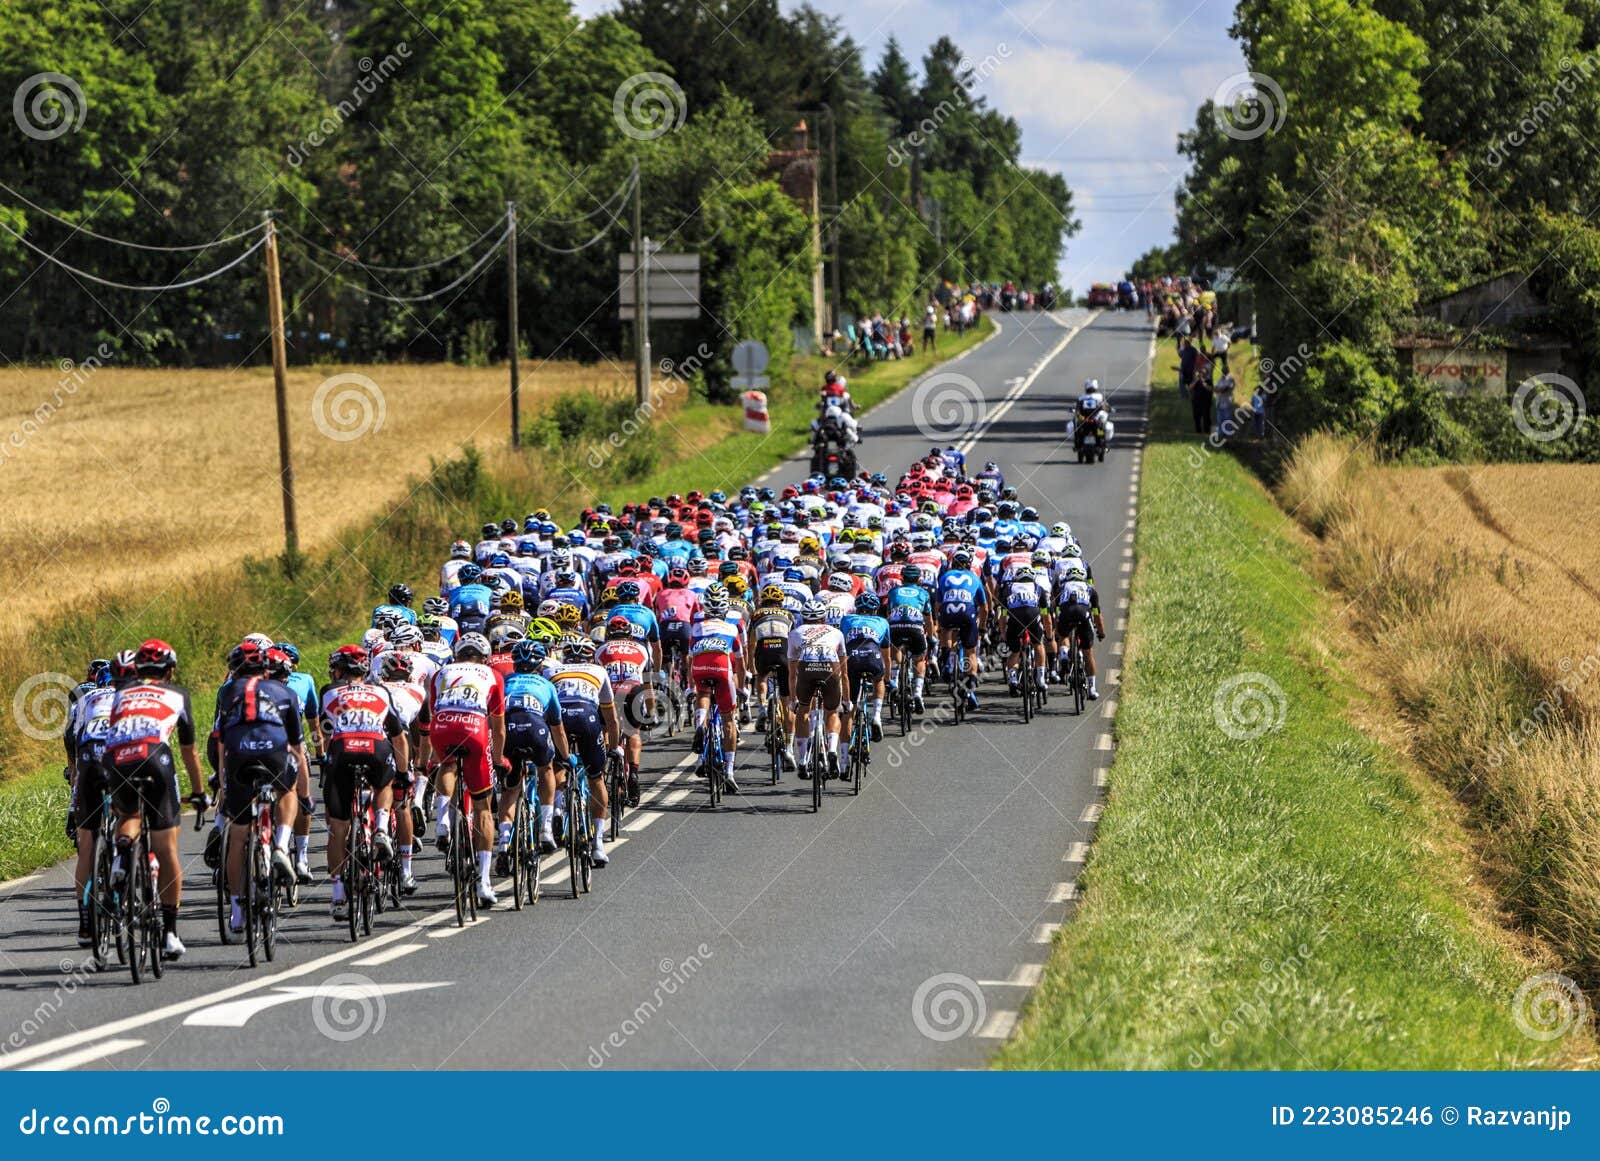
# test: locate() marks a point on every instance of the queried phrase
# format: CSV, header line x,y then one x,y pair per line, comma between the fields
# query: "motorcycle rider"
x,y
1090,406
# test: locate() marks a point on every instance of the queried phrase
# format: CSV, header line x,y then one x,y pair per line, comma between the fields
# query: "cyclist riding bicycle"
x,y
1077,606
963,607
589,715
716,669
866,643
909,611
1023,595
467,703
88,725
408,690
534,737
629,661
816,656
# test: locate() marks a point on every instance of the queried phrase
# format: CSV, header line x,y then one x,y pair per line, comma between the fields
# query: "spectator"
x,y
1219,347
1183,328
1224,400
1200,393
1258,409
1186,358
930,337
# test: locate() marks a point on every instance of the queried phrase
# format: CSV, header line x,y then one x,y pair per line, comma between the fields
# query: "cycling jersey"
x,y
532,710
645,626
960,593
410,700
838,605
407,615
463,697
469,606
145,717
908,604
865,636
356,715
580,683
90,723
1020,596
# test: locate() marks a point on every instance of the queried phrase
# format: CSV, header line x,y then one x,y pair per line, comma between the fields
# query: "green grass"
x,y
326,607
1292,901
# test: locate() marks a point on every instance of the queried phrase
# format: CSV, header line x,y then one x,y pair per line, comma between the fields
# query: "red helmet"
x,y
349,661
703,518
155,656
628,566
695,497
677,577
122,665
618,627
834,389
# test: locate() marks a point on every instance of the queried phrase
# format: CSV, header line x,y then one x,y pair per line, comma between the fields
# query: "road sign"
x,y
672,285
750,357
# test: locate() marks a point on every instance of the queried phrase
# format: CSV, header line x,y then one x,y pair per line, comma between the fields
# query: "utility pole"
x,y
641,297
833,196
280,385
511,311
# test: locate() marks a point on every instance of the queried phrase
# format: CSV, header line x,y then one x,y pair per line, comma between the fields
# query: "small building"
x,y
1486,338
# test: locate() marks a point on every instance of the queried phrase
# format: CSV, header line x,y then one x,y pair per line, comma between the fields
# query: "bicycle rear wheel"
x,y
1025,680
575,832
224,897
616,793
819,767
133,914
252,905
461,861
519,848
154,933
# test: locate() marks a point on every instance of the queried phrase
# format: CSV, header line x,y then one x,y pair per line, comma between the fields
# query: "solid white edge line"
x,y
85,1056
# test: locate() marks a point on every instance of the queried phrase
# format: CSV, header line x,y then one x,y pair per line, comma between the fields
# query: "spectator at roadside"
x,y
930,337
1258,410
1200,393
1219,347
1224,400
1186,358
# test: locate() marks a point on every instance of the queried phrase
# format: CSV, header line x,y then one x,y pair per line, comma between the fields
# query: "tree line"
x,y
393,132
1387,152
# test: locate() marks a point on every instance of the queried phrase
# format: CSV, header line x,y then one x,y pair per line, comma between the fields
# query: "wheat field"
x,y
1477,591
116,478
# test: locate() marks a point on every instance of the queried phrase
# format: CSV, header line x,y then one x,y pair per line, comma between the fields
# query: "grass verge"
x,y
695,445
1279,893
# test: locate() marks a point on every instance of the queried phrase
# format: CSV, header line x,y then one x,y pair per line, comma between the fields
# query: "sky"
x,y
1101,91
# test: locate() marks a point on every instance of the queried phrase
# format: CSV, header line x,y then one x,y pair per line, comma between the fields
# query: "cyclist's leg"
x,y
338,801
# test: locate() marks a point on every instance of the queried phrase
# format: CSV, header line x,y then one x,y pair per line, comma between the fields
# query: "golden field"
x,y
117,478
1477,590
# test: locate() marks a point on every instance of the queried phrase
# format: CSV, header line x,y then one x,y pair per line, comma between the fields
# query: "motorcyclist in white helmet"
x,y
1091,403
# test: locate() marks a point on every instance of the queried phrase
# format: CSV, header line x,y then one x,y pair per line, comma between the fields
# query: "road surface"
x,y
898,929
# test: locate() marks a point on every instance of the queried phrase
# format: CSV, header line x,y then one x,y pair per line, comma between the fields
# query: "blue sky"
x,y
1101,91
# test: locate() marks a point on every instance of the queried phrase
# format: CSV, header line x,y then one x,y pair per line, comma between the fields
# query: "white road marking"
x,y
388,955
998,1026
1063,893
1122,604
1091,813
1011,396
1127,551
1114,677
85,1056
1024,975
1101,776
1126,566
1110,707
1045,932
1076,853
13,884
1103,742
238,1013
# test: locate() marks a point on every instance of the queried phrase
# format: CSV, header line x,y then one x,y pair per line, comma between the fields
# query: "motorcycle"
x,y
830,457
1091,433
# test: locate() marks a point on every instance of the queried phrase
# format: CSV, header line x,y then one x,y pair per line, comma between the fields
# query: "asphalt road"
x,y
898,929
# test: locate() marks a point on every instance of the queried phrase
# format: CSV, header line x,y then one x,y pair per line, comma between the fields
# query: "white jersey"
x,y
578,681
815,647
408,697
448,572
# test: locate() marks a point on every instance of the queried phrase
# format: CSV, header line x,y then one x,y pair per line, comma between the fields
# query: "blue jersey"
x,y
960,591
535,694
645,625
679,547
405,614
863,632
473,600
570,597
304,688
908,604
954,459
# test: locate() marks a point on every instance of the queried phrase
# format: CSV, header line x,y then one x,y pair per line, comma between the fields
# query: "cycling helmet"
x,y
247,657
771,595
715,601
1061,528
528,656
395,667
578,647
472,645
619,628
911,575
349,661
400,595
629,592
508,527
961,558
429,624
737,586
899,551
698,566
608,595
404,636
278,664
1008,493
566,613
512,602
561,560
460,550
677,577
155,657
384,620
470,574
1030,514
868,603
813,612
839,582
436,607
544,629
122,665
1024,573
1040,556
490,531
99,671
1073,570
503,637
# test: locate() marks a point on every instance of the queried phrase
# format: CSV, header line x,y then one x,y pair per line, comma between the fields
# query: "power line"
x,y
408,298
47,256
80,229
346,260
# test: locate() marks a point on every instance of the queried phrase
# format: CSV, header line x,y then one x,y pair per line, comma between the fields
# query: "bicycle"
x,y
860,740
1076,680
579,833
961,682
1025,673
263,891
141,898
777,737
616,791
816,760
363,869
525,840
463,866
902,692
100,898
711,755
219,878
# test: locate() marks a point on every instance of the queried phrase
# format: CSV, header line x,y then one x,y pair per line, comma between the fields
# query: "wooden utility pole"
x,y
838,210
641,297
280,386
511,311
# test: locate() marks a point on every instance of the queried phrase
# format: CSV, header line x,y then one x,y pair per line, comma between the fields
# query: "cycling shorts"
x,y
585,735
772,656
151,777
241,772
675,635
963,623
341,766
631,698
910,638
1075,620
465,738
865,667
1025,617
821,683
88,792
713,673
528,738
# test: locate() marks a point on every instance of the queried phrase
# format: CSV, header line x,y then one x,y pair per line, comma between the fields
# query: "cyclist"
x,y
716,668
962,609
676,608
88,723
147,714
816,656
589,716
366,739
866,643
770,625
450,570
471,600
398,605
467,704
1077,611
408,690
439,609
627,660
1023,595
257,728
304,688
535,738
909,611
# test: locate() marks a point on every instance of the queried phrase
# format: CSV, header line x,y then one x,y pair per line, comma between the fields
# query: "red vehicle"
x,y
1102,295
